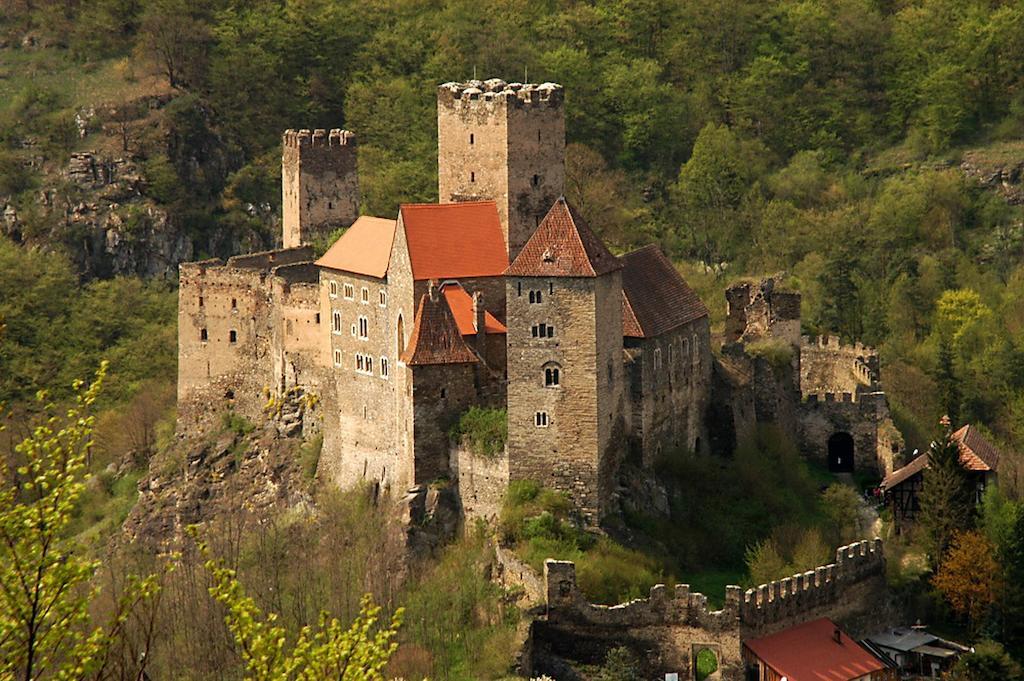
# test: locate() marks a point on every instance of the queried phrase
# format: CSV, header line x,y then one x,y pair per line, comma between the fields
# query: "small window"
x,y
519,288
383,298
350,291
657,359
542,331
536,221
471,138
330,205
551,288
551,377
232,336
200,301
536,296
540,419
337,358
364,328
444,393
472,176
203,335
354,330
365,295
317,317
334,289
385,369
336,322
538,135
359,362
234,304
536,180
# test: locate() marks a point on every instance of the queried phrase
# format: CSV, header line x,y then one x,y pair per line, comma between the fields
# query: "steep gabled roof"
x,y
655,297
364,248
976,452
563,246
461,305
454,240
435,336
809,652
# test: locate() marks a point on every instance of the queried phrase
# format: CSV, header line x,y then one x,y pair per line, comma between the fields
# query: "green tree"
x,y
987,662
946,498
45,629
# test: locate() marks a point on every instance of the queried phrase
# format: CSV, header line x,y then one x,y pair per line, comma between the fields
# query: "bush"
x,y
236,423
778,353
485,430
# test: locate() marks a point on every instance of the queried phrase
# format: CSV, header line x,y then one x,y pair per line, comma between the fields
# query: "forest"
x,y
861,148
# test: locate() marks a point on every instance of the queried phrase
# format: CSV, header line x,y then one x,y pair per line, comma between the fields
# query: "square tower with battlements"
x,y
320,186
506,142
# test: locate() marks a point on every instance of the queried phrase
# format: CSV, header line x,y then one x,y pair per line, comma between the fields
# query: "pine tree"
x,y
946,503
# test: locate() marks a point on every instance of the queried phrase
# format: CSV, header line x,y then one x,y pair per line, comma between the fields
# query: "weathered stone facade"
x,y
670,628
320,186
502,141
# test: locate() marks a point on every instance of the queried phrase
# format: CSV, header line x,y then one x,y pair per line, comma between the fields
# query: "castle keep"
x,y
500,296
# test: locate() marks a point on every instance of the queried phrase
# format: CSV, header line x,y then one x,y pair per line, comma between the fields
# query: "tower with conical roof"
x,y
565,369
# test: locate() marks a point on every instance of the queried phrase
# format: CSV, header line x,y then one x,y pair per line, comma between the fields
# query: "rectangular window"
x,y
200,301
657,359
350,291
383,298
540,419
317,317
232,336
337,358
385,368
336,322
202,335
359,362
364,328
365,295
234,304
542,331
334,289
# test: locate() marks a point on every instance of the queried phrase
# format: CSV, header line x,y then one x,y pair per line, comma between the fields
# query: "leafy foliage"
x,y
969,576
484,429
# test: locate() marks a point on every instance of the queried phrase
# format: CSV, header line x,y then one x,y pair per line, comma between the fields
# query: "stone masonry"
x,y
320,186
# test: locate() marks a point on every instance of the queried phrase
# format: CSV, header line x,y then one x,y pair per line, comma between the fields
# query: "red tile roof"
x,y
656,299
364,248
976,453
461,305
454,240
901,475
435,336
808,652
563,246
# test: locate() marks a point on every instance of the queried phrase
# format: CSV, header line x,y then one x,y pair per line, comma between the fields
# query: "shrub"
x,y
309,456
485,430
778,353
236,423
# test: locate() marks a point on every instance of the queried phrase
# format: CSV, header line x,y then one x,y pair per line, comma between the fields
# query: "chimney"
x,y
478,321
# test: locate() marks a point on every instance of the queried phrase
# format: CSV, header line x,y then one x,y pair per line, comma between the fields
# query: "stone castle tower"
x,y
319,183
565,370
506,142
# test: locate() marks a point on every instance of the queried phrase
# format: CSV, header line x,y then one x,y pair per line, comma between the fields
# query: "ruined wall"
x,y
482,481
229,334
669,390
670,627
761,310
504,142
829,366
320,184
584,420
865,416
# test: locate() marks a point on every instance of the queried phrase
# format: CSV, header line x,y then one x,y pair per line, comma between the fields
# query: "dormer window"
x,y
548,256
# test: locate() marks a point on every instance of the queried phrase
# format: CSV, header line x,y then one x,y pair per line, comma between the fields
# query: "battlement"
x,y
835,344
824,585
335,137
473,93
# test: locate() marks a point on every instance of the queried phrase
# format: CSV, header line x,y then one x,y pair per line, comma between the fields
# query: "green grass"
x,y
707,664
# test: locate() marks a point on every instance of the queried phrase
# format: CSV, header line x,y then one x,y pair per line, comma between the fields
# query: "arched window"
x,y
336,322
552,375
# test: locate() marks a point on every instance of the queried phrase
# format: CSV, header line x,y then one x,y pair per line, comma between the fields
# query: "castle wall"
x,y
482,481
320,184
669,627
670,388
506,143
441,394
828,366
758,311
865,416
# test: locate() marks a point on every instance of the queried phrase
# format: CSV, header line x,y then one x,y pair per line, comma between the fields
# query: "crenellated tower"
x,y
320,186
506,142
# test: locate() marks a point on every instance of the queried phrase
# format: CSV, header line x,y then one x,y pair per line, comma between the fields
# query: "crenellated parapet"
x,y
789,598
476,93
335,137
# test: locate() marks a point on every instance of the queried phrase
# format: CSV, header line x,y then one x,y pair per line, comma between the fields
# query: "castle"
x,y
499,296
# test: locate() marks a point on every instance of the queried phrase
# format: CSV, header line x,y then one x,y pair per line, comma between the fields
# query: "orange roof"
x,y
563,246
435,336
364,248
809,652
461,305
454,240
976,453
655,297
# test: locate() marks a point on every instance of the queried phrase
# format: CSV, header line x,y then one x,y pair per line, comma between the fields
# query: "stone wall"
x,y
441,393
669,390
504,142
829,366
761,310
865,416
482,481
670,627
320,185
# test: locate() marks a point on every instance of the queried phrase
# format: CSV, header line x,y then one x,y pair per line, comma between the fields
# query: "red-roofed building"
x,y
814,651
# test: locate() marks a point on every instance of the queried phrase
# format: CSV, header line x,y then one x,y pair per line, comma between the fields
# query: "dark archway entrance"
x,y
840,453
